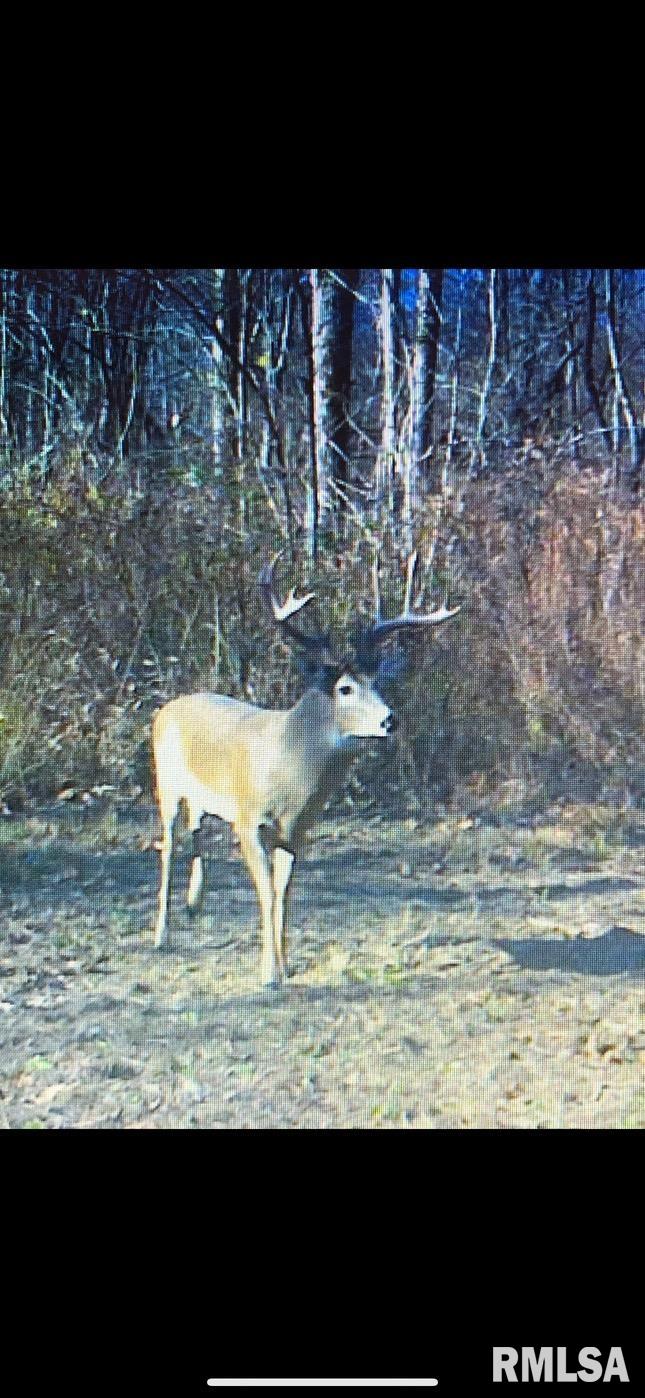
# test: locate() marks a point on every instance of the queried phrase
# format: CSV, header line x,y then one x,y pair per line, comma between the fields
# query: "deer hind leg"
x,y
197,883
259,866
283,861
168,811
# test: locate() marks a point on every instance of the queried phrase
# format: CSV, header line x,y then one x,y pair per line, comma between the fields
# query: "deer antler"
x,y
280,612
409,620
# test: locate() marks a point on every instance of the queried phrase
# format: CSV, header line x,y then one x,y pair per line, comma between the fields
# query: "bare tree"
x,y
386,457
479,451
621,400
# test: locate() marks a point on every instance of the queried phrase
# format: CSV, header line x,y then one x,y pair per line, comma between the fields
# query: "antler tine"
x,y
385,628
281,612
408,620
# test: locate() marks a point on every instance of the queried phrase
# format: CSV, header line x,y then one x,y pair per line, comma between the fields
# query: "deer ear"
x,y
393,666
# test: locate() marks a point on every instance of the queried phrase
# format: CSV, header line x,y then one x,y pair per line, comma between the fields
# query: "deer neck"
x,y
315,735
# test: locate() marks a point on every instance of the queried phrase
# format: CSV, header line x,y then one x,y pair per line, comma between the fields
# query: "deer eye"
x,y
345,689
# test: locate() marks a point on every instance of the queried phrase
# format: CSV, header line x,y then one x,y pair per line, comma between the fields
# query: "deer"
x,y
270,772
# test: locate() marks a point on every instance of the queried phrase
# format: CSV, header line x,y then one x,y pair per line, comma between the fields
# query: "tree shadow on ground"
x,y
59,875
617,951
605,884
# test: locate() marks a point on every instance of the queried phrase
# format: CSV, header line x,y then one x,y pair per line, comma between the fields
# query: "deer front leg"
x,y
259,866
283,861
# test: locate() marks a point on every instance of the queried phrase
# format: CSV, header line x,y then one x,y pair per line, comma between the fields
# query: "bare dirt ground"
x,y
486,973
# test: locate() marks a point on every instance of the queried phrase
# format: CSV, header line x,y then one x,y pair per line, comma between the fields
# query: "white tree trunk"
x,y
479,453
419,406
217,374
4,425
386,458
620,395
317,486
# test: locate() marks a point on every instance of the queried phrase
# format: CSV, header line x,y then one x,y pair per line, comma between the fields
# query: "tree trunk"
x,y
4,290
386,456
218,374
621,397
340,386
322,340
424,364
479,451
589,368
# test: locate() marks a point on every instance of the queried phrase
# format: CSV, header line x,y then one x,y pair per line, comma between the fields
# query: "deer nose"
x,y
389,723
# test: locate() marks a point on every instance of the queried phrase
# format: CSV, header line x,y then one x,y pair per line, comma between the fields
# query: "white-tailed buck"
x,y
269,772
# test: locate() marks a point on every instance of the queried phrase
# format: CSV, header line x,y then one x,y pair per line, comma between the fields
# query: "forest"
x,y
464,938
163,432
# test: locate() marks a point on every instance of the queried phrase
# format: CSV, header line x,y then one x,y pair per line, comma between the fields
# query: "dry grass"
x,y
460,974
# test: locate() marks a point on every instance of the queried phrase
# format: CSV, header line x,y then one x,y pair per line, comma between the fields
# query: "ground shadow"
x,y
606,883
59,876
617,951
